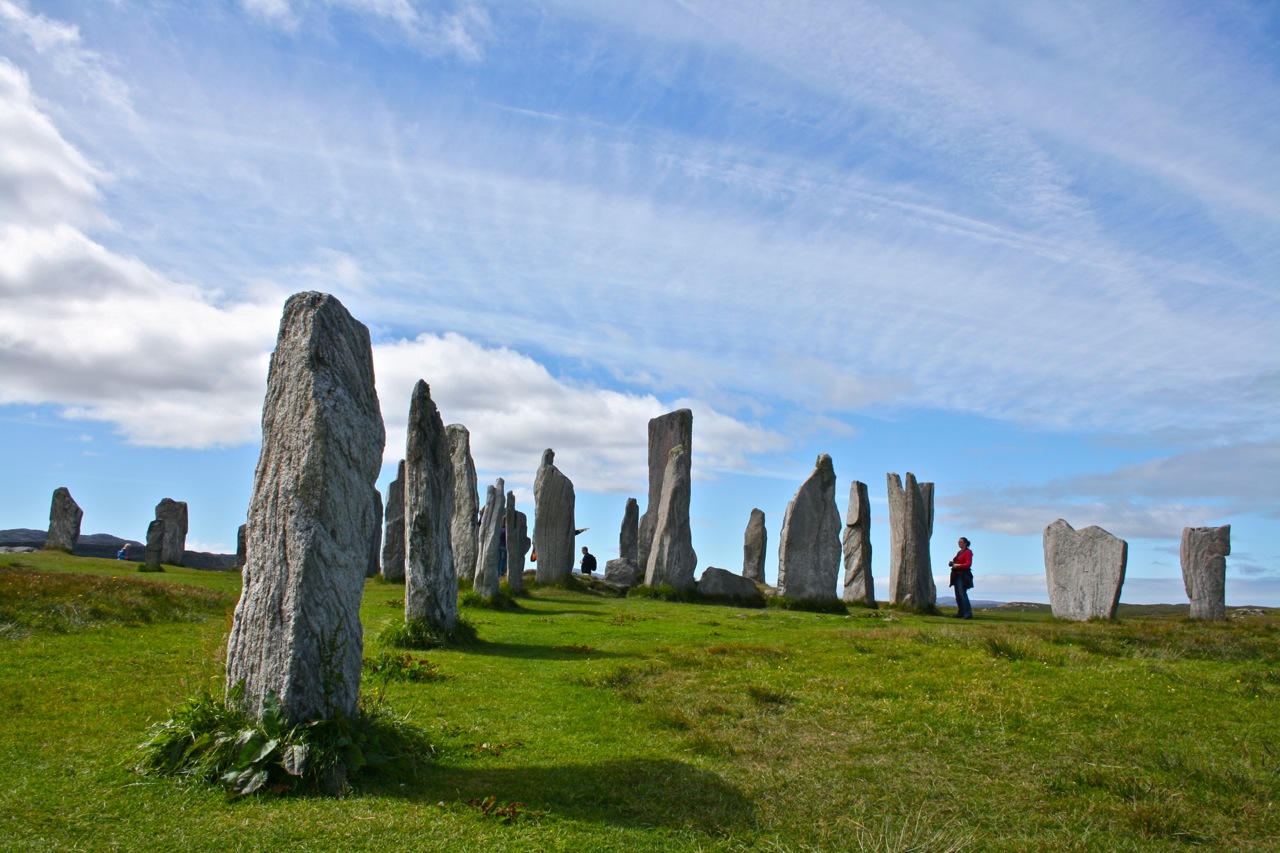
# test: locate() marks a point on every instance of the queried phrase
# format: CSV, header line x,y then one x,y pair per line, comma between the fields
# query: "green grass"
x,y
585,722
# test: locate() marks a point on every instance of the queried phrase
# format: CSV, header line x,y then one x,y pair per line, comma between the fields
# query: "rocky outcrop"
x,y
430,583
672,560
553,523
174,515
297,632
809,546
724,584
1085,571
1204,569
910,529
65,516
754,542
859,587
491,535
463,532
393,527
666,432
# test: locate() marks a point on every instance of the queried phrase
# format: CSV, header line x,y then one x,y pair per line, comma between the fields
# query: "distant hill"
x,y
106,545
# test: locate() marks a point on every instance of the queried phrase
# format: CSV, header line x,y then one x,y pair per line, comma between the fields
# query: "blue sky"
x,y
1027,251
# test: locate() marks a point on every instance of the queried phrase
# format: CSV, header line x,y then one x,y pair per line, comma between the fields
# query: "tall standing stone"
x,y
1204,569
155,543
755,540
517,544
393,535
491,535
1085,571
174,515
672,560
375,541
859,586
240,556
64,521
666,432
431,585
463,533
910,529
809,546
553,524
297,631
625,569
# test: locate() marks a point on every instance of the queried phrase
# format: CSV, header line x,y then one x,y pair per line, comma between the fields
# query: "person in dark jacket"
x,y
962,578
588,561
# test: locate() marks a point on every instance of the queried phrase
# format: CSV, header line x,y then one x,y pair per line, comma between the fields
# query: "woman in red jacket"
x,y
962,578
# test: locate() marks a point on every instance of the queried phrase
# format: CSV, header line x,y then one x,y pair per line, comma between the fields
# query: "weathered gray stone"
x,y
431,584
622,573
463,532
491,534
155,543
375,543
666,432
297,631
174,515
629,533
518,543
1204,569
755,540
64,521
722,583
809,546
240,547
393,537
553,521
859,586
1085,571
672,560
910,529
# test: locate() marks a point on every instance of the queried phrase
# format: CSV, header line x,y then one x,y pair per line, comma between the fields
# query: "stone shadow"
x,y
533,651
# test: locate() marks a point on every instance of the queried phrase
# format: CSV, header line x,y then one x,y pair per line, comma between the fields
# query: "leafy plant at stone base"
x,y
417,634
504,600
389,666
210,740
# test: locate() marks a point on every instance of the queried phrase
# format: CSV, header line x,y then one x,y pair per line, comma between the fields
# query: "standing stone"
x,y
174,515
240,547
64,521
809,547
463,533
1085,571
553,524
1204,569
672,560
393,537
297,631
155,543
666,432
431,585
629,533
910,529
517,544
491,527
859,586
754,542
375,542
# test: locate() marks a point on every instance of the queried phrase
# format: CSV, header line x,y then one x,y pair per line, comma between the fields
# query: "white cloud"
x,y
461,31
62,44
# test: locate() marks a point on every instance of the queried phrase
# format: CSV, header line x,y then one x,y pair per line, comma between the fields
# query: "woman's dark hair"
x,y
967,543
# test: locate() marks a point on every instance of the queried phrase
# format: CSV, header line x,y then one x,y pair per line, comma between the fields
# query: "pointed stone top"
x,y
548,457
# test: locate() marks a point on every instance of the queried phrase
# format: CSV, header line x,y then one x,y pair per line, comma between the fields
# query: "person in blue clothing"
x,y
962,578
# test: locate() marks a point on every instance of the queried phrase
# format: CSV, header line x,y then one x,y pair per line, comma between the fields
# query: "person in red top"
x,y
962,578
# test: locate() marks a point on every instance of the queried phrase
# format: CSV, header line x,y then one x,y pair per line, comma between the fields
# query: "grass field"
x,y
638,724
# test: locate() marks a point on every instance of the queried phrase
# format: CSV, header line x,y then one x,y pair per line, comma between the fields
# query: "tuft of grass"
x,y
416,634
504,600
401,666
143,567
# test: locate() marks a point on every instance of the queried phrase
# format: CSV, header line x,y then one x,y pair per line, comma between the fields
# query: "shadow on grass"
x,y
531,651
632,792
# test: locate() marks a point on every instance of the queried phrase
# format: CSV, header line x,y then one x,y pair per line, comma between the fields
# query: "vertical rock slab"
x,y
1085,571
491,526
517,544
152,556
755,539
1204,569
463,532
553,524
859,586
430,583
297,631
174,515
809,546
393,535
375,542
629,533
910,529
240,547
666,432
65,516
672,560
